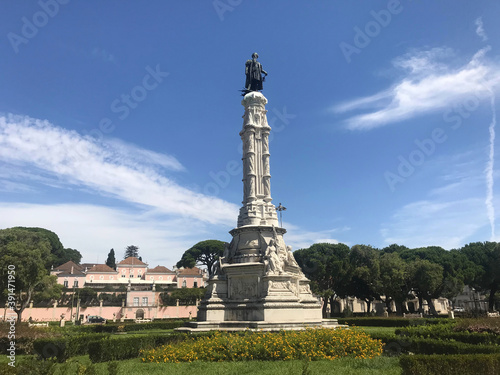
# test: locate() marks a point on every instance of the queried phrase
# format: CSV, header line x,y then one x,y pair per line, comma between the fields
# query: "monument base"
x,y
258,285
236,326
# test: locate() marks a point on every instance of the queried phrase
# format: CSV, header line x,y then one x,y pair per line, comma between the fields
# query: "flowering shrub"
x,y
310,344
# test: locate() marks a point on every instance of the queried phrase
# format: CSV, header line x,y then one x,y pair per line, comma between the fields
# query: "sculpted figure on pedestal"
x,y
254,74
290,259
274,263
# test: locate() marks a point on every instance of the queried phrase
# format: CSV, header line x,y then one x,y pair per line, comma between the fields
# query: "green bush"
x,y
63,348
393,322
128,347
157,324
449,334
401,344
472,364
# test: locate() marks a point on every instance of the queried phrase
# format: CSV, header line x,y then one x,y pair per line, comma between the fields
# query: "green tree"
x,y
59,254
456,268
327,266
203,253
365,279
486,255
111,261
27,253
47,290
426,279
186,296
131,251
394,280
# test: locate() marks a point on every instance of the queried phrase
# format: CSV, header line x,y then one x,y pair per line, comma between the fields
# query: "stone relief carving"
x,y
241,288
305,289
291,286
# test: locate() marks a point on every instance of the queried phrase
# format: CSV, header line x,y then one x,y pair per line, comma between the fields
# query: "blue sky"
x,y
119,121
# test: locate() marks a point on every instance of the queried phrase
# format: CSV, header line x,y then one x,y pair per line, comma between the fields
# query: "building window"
x,y
160,278
184,284
131,275
136,301
169,279
195,284
91,277
123,275
101,277
111,277
144,301
65,283
151,277
75,283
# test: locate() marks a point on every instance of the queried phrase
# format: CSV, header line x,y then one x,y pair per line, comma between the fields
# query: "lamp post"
x,y
280,209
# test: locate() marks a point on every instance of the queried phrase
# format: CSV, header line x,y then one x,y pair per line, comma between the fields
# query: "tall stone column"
x,y
257,283
257,208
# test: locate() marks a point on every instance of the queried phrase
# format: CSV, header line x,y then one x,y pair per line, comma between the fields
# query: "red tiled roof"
x,y
195,271
101,268
67,267
159,269
132,261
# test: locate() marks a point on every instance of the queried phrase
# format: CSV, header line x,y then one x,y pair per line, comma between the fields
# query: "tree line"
x,y
396,273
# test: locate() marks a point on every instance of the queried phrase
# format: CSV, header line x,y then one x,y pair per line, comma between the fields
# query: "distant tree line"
x,y
396,273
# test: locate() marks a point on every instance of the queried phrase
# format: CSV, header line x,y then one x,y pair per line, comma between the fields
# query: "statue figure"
x,y
274,263
290,259
254,72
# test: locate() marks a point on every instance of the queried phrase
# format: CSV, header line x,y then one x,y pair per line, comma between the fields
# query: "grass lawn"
x,y
344,366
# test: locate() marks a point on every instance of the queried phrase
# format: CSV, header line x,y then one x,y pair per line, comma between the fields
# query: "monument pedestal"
x,y
257,284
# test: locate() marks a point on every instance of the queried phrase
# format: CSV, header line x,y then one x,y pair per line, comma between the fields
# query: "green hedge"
x,y
400,344
24,345
128,347
157,324
392,322
466,337
63,348
129,327
472,364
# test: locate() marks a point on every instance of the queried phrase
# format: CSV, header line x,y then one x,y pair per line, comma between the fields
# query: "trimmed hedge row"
x,y
392,322
467,337
471,364
128,347
395,345
130,327
63,348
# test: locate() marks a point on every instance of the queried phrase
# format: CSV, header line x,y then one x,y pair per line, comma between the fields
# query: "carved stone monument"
x,y
257,283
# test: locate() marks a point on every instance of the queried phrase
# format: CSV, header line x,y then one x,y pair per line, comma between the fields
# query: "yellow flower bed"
x,y
311,344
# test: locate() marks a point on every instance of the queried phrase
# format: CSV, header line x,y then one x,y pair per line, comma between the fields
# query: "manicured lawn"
x,y
344,366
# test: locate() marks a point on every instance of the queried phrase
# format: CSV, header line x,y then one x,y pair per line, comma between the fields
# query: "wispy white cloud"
x,y
451,213
94,230
430,83
114,168
299,238
490,208
480,29
434,223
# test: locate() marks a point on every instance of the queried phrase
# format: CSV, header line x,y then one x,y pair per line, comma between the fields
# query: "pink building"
x,y
160,275
191,278
101,274
130,271
70,275
131,268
